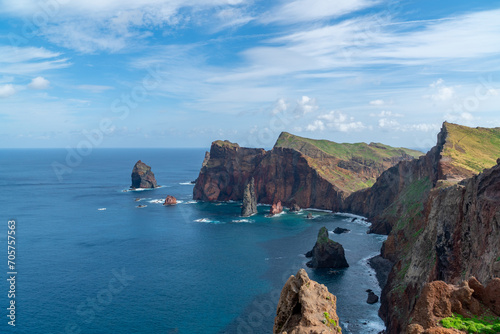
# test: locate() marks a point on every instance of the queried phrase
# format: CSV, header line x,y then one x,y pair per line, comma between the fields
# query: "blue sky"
x,y
182,73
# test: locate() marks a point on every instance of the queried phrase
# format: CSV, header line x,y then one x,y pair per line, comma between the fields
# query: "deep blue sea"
x,y
88,260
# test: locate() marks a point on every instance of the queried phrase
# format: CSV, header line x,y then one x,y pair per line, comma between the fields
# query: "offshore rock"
x,y
249,200
306,307
372,297
276,208
326,253
170,200
340,230
142,176
295,208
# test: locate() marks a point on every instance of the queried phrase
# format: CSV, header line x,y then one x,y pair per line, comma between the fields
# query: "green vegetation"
x,y
331,322
341,164
345,151
225,143
472,325
498,258
472,149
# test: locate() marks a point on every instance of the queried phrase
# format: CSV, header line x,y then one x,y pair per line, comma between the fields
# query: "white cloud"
x,y
110,25
317,125
312,10
305,105
95,88
39,83
385,113
442,93
341,122
280,106
7,90
393,125
377,102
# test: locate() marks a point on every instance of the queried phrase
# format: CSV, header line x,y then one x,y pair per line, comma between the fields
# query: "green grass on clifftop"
x,y
344,151
472,325
473,149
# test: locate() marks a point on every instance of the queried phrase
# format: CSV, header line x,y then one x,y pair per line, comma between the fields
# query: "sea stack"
x,y
305,306
170,200
276,208
326,253
142,176
249,199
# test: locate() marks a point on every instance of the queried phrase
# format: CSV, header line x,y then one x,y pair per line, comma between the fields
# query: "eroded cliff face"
x,y
301,174
456,236
306,307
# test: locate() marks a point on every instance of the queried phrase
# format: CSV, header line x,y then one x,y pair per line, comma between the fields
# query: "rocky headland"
x,y
306,307
142,176
301,171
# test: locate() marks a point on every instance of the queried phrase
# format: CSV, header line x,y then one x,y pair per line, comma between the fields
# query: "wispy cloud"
x,y
313,10
28,60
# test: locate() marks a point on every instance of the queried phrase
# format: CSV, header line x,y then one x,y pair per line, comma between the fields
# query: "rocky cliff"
x,y
142,176
443,239
306,307
309,173
399,193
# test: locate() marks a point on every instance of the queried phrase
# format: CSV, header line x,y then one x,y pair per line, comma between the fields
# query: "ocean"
x,y
89,260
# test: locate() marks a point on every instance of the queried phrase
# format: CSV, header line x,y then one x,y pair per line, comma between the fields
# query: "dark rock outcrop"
x,y
309,215
142,176
249,207
294,208
276,208
340,230
372,297
306,307
170,200
326,253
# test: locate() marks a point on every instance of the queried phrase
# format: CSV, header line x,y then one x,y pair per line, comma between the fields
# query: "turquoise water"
x,y
190,268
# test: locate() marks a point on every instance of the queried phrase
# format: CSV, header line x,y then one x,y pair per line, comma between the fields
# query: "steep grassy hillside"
x,y
471,150
350,167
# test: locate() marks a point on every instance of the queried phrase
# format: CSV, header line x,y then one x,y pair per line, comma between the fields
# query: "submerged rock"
x,y
276,208
170,200
142,176
326,253
249,200
340,230
306,307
